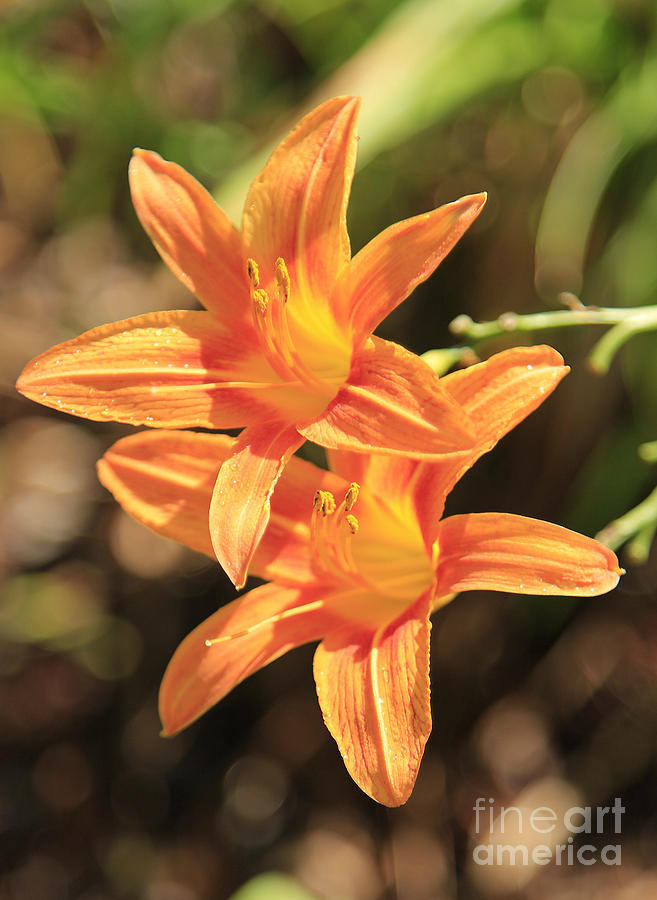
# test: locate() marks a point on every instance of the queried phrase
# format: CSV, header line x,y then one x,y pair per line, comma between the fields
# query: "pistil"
x,y
271,620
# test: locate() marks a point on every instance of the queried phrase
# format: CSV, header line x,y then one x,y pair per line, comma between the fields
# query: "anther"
x,y
351,496
352,522
282,279
261,300
253,272
324,502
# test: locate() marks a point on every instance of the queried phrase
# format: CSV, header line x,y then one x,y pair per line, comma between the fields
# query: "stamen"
x,y
261,300
331,537
286,614
324,502
283,279
351,496
253,272
282,326
352,522
270,315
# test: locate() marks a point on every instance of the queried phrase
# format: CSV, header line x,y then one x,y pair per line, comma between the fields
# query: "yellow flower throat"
x,y
298,335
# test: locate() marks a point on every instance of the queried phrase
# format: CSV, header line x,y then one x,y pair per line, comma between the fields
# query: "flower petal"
x,y
373,688
497,395
501,552
250,632
296,208
284,554
502,391
166,369
392,403
240,505
165,480
386,270
191,233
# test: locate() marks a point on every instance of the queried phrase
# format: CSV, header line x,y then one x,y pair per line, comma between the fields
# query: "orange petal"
x,y
296,208
502,391
387,269
191,233
348,464
165,479
501,552
497,395
392,403
373,688
253,631
166,369
284,554
240,505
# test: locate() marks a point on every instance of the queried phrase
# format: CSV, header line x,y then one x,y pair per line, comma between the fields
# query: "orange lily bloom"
x,y
358,558
285,347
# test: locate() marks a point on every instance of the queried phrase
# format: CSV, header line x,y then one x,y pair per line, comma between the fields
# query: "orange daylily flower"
x,y
285,348
358,558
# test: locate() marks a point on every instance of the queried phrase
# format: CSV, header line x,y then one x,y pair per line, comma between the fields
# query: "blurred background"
x,y
550,106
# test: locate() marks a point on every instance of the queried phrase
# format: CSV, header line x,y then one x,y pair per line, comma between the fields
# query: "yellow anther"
x,y
253,272
351,496
324,502
261,300
282,279
352,522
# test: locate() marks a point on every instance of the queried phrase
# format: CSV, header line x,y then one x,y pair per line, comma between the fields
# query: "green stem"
x,y
442,360
638,549
644,319
621,530
510,322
